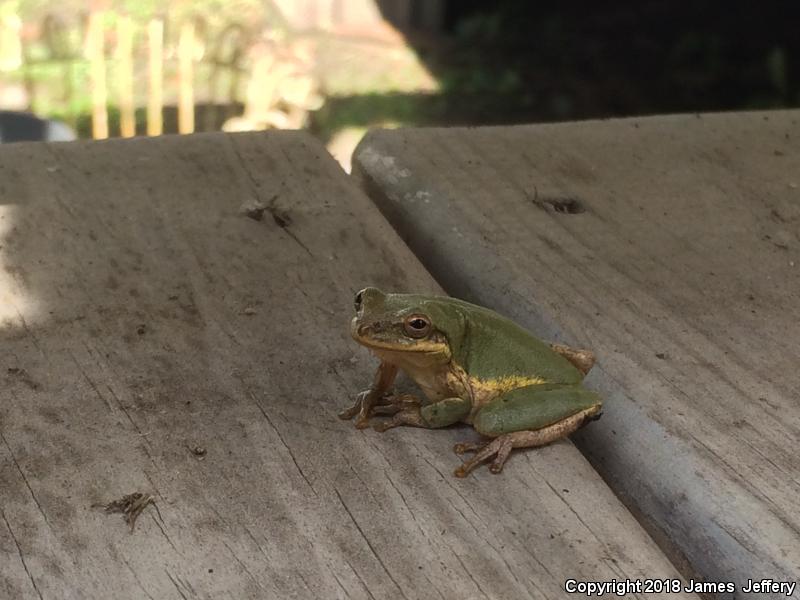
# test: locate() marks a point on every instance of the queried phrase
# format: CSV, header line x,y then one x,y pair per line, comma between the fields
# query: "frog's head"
x,y
405,322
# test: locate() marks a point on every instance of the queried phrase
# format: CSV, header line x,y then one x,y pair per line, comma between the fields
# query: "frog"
x,y
473,366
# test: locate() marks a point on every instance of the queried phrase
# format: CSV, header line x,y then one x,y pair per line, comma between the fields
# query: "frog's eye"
x,y
417,326
359,298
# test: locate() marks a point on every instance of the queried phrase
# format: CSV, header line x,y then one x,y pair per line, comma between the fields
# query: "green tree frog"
x,y
473,366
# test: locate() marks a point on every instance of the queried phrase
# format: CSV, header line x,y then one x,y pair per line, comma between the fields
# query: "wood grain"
x,y
164,294
671,247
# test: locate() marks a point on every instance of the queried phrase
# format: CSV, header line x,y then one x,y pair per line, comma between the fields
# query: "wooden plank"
x,y
671,247
143,314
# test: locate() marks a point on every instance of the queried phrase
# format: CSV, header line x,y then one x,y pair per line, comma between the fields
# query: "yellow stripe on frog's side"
x,y
486,390
504,384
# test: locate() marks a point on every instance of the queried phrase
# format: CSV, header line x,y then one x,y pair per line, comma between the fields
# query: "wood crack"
x,y
369,544
244,566
91,382
175,583
164,533
25,479
358,576
21,555
467,571
136,578
285,445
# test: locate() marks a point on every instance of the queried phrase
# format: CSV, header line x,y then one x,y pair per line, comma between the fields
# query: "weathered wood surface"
x,y
682,273
144,314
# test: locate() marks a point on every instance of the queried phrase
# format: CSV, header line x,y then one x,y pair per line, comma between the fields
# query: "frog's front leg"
x,y
368,399
531,416
437,414
392,404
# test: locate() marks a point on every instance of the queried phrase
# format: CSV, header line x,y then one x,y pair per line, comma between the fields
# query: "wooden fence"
x,y
235,66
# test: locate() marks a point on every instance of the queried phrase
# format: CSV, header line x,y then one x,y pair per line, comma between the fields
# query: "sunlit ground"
x,y
353,67
17,307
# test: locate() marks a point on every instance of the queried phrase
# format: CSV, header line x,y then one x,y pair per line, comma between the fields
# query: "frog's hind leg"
x,y
525,418
583,360
500,447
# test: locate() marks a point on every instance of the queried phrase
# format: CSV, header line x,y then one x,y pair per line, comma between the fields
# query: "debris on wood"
x,y
24,377
255,212
198,451
130,505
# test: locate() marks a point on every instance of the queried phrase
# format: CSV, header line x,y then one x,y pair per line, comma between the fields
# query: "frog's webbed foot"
x,y
463,447
392,404
368,399
364,406
499,447
388,404
406,411
349,413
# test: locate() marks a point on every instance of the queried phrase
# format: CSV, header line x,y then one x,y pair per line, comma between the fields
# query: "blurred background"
x,y
338,67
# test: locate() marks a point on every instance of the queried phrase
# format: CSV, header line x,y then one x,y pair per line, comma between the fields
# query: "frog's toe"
x,y
404,400
349,413
346,414
387,399
592,417
410,415
503,452
392,404
499,447
464,447
384,426
387,409
361,406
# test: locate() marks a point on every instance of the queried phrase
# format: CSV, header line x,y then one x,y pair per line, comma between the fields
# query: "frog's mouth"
x,y
361,334
422,346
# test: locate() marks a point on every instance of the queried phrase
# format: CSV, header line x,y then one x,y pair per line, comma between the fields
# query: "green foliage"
x,y
57,71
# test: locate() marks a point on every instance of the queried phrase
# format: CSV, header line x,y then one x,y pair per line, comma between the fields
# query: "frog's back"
x,y
494,347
